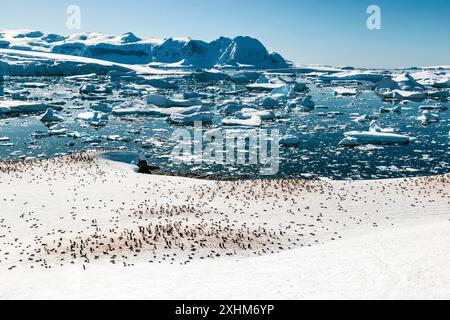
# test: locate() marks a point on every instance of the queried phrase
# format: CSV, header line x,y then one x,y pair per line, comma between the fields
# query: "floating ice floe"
x,y
117,138
6,144
58,132
436,107
356,138
403,95
302,104
95,118
121,75
193,115
264,86
83,77
162,101
190,119
289,140
437,79
375,127
364,118
395,109
209,75
253,121
102,107
20,107
269,102
231,108
159,83
51,116
284,92
192,95
74,134
136,109
245,77
88,88
354,75
343,91
427,117
248,113
438,94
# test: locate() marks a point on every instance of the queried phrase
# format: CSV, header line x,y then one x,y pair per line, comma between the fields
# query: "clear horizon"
x,y
329,32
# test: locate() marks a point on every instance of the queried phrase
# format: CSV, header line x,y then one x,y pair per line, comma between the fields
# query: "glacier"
x,y
239,52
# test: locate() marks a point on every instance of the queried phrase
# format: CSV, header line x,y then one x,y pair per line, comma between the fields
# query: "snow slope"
x,y
341,239
129,49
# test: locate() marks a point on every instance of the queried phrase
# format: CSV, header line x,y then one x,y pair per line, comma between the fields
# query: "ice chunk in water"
x,y
289,140
427,117
355,138
51,116
254,121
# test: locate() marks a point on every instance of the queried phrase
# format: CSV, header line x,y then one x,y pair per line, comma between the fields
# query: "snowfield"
x,y
84,227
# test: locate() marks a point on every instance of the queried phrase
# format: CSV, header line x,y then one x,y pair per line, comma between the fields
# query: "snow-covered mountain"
x,y
130,49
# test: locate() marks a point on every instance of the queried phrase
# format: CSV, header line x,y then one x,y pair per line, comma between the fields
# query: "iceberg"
x,y
21,107
356,138
51,116
407,82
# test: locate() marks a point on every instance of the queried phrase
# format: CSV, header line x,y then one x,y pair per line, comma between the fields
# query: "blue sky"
x,y
414,32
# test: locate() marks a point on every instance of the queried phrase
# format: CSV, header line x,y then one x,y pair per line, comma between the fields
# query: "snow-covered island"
x,y
241,51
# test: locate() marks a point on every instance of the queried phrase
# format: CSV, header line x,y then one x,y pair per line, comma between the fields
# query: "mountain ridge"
x,y
238,52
